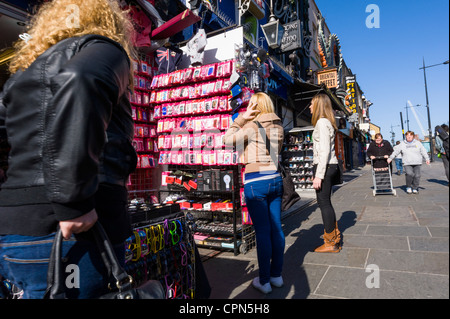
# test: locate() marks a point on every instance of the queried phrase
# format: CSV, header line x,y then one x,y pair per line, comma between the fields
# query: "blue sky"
x,y
386,60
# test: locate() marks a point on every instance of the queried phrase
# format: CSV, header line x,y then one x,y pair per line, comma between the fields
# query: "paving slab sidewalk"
x,y
395,247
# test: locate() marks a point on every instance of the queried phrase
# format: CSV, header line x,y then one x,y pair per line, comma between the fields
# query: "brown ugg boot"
x,y
332,242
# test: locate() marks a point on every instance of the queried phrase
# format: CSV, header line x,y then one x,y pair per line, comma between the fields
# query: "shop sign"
x,y
354,118
350,98
292,39
328,77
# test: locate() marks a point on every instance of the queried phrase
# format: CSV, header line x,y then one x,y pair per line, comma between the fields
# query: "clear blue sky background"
x,y
386,60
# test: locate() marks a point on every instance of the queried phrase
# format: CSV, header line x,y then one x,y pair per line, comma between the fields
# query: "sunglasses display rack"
x,y
297,156
162,248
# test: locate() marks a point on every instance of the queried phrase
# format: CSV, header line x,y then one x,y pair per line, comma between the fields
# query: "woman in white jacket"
x,y
325,168
412,153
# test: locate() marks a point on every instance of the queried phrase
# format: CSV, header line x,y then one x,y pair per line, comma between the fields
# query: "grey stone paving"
x,y
395,247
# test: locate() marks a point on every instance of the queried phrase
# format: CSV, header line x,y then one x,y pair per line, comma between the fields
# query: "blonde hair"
x,y
322,109
61,19
263,103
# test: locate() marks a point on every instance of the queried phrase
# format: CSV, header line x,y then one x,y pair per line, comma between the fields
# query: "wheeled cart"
x,y
382,180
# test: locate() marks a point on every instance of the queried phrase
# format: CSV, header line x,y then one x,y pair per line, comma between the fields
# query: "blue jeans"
x,y
399,165
263,200
24,261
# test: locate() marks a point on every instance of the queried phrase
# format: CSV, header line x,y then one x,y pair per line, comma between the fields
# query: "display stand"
x,y
162,248
297,157
213,197
200,172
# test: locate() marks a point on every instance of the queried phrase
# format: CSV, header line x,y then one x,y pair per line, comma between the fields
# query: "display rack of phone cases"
x,y
201,173
297,156
141,182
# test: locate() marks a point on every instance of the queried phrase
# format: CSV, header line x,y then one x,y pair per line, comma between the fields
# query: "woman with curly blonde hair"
x,y
58,20
67,118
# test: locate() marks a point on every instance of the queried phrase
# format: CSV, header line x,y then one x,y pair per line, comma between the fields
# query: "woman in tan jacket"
x,y
263,186
325,168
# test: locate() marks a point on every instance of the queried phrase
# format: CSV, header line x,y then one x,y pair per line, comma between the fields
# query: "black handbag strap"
x,y
55,275
274,159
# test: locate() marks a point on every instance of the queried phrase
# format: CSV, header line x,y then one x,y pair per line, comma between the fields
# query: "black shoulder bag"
x,y
56,288
290,196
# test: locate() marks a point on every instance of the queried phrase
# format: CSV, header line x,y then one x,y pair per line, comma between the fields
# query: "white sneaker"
x,y
266,288
276,281
415,191
409,190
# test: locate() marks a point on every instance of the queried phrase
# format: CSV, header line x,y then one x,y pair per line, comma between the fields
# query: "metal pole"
x,y
428,113
407,118
401,121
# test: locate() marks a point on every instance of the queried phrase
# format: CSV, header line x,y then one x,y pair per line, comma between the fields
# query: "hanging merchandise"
x,y
196,48
142,14
149,8
252,68
168,59
142,26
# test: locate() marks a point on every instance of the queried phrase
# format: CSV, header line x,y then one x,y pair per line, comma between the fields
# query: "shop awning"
x,y
175,25
303,92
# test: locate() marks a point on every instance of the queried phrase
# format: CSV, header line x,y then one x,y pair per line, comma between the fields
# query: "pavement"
x,y
394,247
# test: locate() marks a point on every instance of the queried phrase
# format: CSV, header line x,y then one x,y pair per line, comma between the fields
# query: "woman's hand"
x,y
251,112
79,224
317,183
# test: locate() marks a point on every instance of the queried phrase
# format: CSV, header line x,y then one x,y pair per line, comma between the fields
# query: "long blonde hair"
x,y
322,109
263,102
61,19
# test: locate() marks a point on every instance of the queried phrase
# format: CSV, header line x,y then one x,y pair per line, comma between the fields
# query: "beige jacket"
x,y
251,144
323,147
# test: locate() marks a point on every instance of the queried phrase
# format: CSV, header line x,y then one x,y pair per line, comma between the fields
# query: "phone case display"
x,y
193,112
298,157
145,137
161,248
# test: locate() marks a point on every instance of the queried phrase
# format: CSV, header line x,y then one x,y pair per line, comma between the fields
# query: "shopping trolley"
x,y
382,180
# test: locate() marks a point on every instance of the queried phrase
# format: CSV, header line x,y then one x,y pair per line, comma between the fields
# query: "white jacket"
x,y
412,153
323,147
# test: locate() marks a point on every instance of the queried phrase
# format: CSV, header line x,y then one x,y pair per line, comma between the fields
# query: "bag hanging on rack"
x,y
290,196
56,288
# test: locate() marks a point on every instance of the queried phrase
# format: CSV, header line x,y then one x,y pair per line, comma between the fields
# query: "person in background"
x,y
325,169
66,114
398,160
263,185
412,152
442,152
379,148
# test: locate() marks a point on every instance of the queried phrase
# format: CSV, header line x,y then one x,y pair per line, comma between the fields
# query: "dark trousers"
x,y
412,176
323,196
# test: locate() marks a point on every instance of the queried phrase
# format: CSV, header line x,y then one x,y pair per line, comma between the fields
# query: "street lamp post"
x,y
428,105
273,30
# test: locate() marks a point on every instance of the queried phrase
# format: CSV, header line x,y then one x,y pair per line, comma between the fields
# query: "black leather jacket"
x,y
68,122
